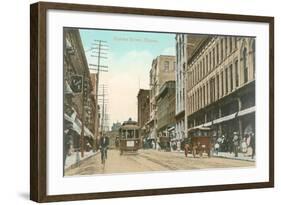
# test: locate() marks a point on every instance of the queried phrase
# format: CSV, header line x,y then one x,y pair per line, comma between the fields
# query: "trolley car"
x,y
129,139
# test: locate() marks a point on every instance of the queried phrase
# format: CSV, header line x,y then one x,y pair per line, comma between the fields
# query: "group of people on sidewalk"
x,y
235,144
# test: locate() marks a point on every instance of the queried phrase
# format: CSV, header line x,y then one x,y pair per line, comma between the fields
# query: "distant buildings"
x,y
115,126
166,114
143,107
162,70
143,111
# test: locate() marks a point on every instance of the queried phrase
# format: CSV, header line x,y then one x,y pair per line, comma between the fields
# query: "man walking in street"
x,y
104,142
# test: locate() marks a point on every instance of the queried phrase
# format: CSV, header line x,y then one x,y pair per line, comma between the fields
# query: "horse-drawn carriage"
x,y
129,139
199,141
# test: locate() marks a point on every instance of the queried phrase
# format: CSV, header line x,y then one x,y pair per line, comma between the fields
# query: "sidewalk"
x,y
75,158
241,156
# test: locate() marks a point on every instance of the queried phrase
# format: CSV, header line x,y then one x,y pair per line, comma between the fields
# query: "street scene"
x,y
150,160
138,101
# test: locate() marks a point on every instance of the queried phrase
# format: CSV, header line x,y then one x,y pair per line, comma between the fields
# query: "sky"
x,y
129,59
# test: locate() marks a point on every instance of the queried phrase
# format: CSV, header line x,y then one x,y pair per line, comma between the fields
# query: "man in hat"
x,y
235,141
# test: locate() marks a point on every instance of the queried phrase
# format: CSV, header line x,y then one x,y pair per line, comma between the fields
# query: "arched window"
x,y
245,67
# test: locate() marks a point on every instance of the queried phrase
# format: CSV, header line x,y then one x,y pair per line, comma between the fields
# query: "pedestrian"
x,y
217,146
235,141
104,142
244,144
253,144
186,148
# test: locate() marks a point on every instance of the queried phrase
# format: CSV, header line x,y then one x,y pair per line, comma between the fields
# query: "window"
x,y
212,90
200,74
207,61
214,58
200,97
217,53
236,74
230,44
192,80
166,66
195,74
210,59
221,49
183,96
231,77
207,92
177,49
225,46
222,84
204,72
226,81
218,86
204,103
183,48
254,58
245,67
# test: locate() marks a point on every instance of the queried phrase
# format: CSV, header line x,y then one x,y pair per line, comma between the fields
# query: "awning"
x,y
246,111
171,128
226,118
77,125
70,118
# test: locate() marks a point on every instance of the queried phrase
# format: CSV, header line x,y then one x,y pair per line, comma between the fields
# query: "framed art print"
x,y
134,102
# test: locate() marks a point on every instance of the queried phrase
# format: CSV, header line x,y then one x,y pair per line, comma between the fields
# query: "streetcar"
x,y
129,139
200,141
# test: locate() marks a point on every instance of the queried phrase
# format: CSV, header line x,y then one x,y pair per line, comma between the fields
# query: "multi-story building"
x,y
94,102
166,114
79,102
143,107
162,70
143,111
181,62
220,84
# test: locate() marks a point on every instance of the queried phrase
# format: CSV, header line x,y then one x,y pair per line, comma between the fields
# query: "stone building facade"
x,y
181,62
220,85
162,70
166,114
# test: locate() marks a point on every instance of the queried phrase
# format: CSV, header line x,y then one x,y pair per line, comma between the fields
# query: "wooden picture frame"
x,y
38,100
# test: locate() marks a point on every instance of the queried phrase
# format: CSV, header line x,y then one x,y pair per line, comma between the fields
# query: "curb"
x,y
78,164
234,158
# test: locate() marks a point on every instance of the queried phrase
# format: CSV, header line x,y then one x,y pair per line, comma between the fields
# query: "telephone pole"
x,y
103,105
98,51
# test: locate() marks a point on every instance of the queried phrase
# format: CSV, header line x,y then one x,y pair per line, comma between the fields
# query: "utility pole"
x,y
98,51
103,105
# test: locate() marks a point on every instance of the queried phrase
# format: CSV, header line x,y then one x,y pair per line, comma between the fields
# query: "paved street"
x,y
150,160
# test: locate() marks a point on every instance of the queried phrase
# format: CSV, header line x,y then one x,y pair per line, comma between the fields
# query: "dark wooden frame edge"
x,y
38,185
